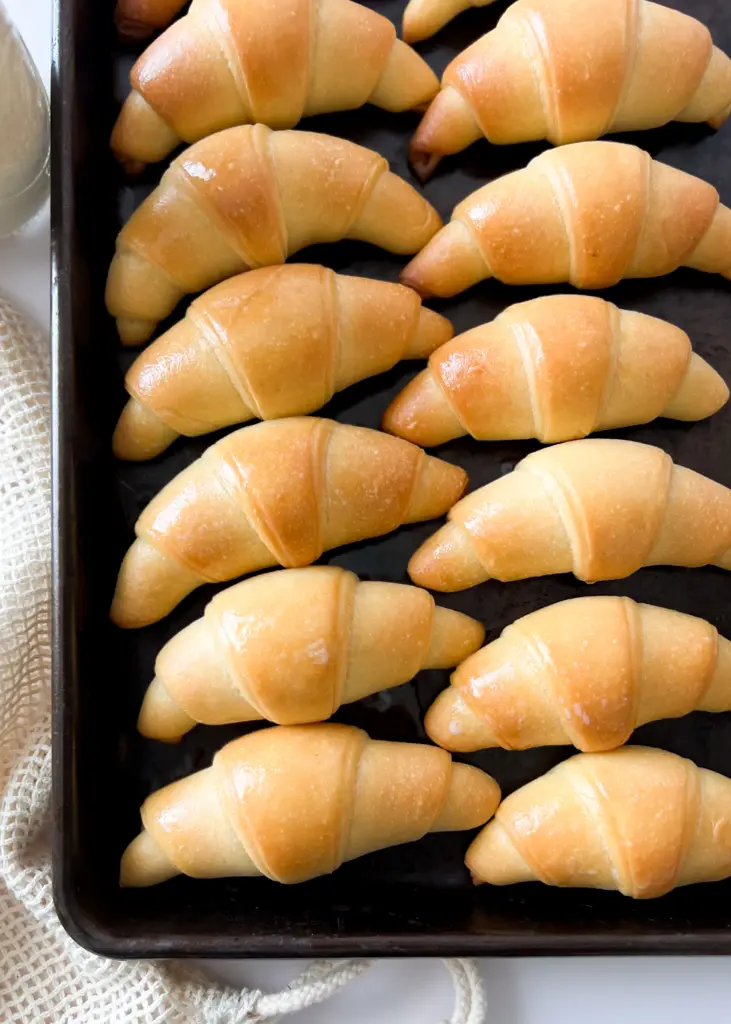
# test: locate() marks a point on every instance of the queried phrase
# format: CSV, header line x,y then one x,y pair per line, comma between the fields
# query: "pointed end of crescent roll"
x,y
720,119
140,136
718,695
454,637
472,799
447,265
406,83
160,717
492,858
421,414
450,724
703,393
447,127
133,331
422,18
438,487
144,863
149,586
432,331
446,562
140,434
396,217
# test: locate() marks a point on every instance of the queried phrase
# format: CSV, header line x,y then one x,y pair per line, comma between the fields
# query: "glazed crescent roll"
x,y
638,820
275,342
599,508
556,368
249,197
590,214
422,18
277,493
230,62
295,802
292,646
586,672
574,71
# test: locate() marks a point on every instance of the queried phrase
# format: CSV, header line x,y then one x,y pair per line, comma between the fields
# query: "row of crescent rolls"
x,y
232,62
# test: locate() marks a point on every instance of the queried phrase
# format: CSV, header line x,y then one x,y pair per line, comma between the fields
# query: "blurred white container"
x,y
24,132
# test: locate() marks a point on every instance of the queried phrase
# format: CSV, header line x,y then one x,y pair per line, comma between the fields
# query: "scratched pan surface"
x,y
414,900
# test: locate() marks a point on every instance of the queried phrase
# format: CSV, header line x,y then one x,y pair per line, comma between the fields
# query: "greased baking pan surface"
x,y
412,900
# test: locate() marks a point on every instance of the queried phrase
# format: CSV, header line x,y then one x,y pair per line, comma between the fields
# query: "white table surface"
x,y
532,991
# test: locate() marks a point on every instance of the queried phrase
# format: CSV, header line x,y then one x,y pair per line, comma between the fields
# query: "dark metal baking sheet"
x,y
415,900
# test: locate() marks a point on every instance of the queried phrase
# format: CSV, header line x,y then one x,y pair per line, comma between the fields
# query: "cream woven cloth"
x,y
45,978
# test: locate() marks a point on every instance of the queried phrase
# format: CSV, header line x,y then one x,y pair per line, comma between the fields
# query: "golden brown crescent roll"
x,y
295,802
591,214
230,62
422,18
280,492
599,508
586,672
249,197
292,646
556,368
638,820
274,342
574,71
136,19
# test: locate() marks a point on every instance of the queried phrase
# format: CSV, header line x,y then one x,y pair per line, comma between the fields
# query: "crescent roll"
x,y
230,62
574,71
292,646
637,820
556,368
277,493
274,342
599,508
586,672
295,802
248,197
590,214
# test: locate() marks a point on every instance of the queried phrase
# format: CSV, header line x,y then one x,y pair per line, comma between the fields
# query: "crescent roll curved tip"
x,y
447,127
472,799
450,724
445,562
160,717
406,83
703,393
421,414
449,263
140,434
423,18
150,584
144,864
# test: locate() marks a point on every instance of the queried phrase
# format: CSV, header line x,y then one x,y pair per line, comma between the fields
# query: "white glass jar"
x,y
24,132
